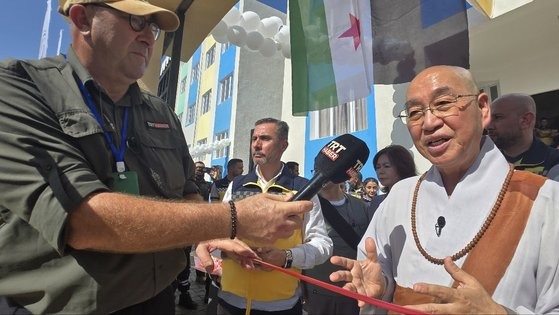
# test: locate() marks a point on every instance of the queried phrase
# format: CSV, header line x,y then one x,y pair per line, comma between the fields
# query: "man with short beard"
x,y
513,117
264,290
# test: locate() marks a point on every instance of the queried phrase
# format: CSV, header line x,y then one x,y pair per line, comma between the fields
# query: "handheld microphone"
x,y
337,161
441,222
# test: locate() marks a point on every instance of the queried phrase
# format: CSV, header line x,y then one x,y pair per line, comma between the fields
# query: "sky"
x,y
21,24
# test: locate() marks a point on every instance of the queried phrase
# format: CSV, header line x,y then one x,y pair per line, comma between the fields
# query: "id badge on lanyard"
x,y
124,181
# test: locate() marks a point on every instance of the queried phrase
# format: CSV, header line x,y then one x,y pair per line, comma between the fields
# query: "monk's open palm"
x,y
362,276
468,298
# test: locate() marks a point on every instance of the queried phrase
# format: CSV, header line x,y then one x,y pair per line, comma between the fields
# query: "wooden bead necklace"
x,y
472,243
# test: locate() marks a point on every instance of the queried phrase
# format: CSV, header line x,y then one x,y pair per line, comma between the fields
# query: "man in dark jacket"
x,y
513,118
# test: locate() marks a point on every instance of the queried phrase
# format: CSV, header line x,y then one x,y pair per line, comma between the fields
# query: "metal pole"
x,y
176,54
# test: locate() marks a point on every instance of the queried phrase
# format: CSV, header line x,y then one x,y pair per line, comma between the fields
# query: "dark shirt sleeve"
x,y
43,173
374,204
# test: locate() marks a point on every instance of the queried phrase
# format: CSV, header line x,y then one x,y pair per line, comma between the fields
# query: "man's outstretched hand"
x,y
265,218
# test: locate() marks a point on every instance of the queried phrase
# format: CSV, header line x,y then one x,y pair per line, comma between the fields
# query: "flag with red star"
x,y
339,46
331,53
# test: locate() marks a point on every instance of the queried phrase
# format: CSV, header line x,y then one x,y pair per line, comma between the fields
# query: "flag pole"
x,y
59,41
45,33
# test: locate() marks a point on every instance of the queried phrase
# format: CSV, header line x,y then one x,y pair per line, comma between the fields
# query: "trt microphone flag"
x,y
337,161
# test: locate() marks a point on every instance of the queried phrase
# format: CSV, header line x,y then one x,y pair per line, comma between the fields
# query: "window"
x,y
225,46
183,85
225,88
163,86
344,118
492,89
206,101
195,73
190,114
219,153
201,156
210,56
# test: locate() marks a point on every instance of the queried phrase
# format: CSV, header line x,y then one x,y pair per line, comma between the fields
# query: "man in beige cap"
x,y
79,141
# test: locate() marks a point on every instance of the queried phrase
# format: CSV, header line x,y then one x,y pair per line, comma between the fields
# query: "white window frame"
x,y
210,57
225,88
345,118
206,101
490,88
183,86
225,46
190,114
221,152
195,73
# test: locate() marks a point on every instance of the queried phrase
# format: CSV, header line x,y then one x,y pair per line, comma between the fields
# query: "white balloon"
x,y
221,39
268,48
237,35
286,50
270,26
283,34
233,17
220,29
250,21
254,40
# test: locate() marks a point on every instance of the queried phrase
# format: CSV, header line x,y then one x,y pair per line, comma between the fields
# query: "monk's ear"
x,y
485,109
79,16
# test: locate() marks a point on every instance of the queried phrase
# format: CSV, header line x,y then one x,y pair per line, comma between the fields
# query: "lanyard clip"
x,y
120,167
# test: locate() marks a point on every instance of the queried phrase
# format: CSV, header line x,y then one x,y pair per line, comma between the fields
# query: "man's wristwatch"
x,y
288,259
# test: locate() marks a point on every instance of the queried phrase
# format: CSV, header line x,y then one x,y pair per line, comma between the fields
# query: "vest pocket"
x,y
78,123
160,152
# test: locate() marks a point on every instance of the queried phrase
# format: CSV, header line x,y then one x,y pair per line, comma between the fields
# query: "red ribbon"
x,y
342,291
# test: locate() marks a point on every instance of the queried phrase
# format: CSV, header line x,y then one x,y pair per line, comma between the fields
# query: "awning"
x,y
494,8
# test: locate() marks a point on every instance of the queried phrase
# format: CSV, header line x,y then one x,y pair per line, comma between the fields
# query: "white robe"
x,y
530,283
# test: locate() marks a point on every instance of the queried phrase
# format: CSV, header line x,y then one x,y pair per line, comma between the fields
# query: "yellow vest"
x,y
261,285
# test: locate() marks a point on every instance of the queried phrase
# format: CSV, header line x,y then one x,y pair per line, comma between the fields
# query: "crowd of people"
x,y
102,201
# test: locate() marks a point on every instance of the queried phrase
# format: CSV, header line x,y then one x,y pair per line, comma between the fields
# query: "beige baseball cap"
x,y
165,19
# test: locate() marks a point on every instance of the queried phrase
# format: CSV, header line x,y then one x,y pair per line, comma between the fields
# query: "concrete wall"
x,y
519,50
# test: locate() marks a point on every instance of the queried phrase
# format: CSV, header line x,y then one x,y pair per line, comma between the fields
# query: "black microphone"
x,y
337,161
441,222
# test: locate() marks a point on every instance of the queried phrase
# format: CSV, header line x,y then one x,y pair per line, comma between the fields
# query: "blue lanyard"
x,y
119,155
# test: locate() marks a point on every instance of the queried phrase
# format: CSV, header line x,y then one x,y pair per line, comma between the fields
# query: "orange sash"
x,y
500,239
